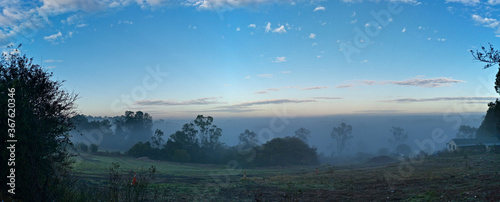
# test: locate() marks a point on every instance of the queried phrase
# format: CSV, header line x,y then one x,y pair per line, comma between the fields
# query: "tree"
x,y
466,132
82,147
490,127
248,138
141,149
287,151
209,134
133,127
42,112
157,139
302,134
491,57
342,135
185,140
399,135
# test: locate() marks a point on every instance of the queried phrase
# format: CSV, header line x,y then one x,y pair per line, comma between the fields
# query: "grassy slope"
x,y
435,178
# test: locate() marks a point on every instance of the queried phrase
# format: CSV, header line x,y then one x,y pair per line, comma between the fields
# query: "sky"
x,y
261,58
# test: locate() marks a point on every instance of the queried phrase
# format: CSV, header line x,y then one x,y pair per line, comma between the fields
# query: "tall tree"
x,y
466,132
302,134
209,134
491,57
490,127
41,110
342,135
399,135
157,138
132,128
248,138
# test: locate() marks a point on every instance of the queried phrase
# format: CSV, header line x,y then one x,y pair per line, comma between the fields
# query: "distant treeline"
x,y
195,142
113,133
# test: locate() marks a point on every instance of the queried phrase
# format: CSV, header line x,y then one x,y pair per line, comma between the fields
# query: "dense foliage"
x,y
198,142
40,125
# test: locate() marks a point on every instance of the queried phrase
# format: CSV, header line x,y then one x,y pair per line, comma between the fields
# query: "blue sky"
x,y
229,58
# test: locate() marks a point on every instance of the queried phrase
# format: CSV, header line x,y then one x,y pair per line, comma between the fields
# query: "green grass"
x,y
450,177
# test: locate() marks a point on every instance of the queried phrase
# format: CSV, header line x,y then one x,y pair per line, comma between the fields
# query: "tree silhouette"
x,y
42,113
132,128
157,138
302,134
209,134
490,127
286,151
399,136
248,138
491,57
342,134
466,132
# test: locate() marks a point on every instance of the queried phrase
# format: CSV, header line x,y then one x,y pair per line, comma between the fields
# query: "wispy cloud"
x,y
247,106
265,75
268,27
414,2
53,37
319,8
468,2
125,22
199,101
280,29
273,101
418,82
279,59
487,22
436,99
345,86
315,88
267,90
428,83
51,60
228,4
252,26
286,72
312,36
327,98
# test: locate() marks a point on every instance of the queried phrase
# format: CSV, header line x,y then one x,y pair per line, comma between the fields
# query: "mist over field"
x,y
371,132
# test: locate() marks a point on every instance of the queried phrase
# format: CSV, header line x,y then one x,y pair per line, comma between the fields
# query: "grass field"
x,y
449,177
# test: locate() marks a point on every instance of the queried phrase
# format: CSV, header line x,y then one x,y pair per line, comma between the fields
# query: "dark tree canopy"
x,y
42,113
286,151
